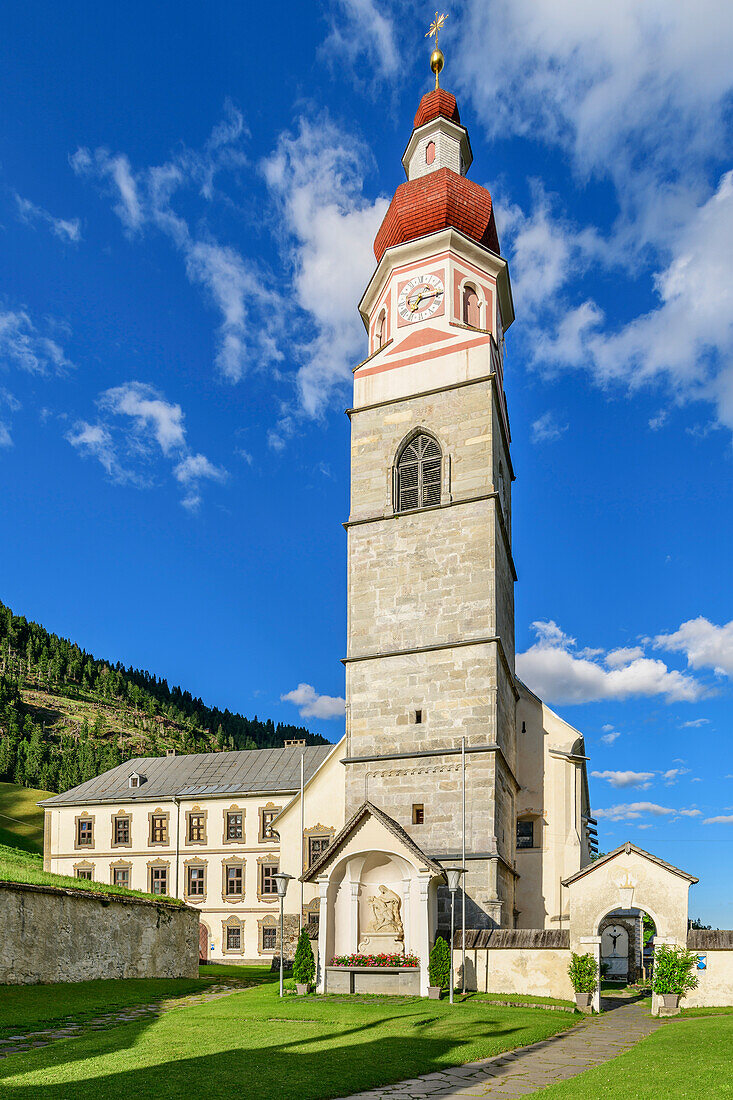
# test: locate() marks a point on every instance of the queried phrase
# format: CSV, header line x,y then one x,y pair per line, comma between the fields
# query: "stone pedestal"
x,y
381,943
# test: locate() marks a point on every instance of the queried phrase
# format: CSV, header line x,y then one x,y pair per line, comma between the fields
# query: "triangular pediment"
x,y
626,849
395,832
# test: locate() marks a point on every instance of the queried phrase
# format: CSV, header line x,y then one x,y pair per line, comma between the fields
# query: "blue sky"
x,y
188,198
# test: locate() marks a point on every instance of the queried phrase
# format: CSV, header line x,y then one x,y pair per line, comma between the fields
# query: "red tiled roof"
x,y
440,200
437,104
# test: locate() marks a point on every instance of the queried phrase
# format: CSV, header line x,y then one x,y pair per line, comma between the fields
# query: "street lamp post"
x,y
281,881
453,875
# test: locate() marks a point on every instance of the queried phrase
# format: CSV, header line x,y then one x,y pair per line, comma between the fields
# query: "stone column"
x,y
406,916
422,946
592,945
354,916
323,918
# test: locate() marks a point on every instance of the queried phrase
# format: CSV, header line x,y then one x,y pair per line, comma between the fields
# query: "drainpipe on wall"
x,y
463,864
178,836
302,836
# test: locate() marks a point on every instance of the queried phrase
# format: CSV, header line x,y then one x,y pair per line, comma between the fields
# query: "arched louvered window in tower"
x,y
471,308
418,474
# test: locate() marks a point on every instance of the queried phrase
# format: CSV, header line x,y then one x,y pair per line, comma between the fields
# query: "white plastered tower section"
x,y
430,658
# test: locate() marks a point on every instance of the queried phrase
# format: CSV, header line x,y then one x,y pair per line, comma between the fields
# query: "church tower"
x,y
430,658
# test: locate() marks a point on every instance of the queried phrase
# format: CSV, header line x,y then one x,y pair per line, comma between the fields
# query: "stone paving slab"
x,y
31,1040
528,1069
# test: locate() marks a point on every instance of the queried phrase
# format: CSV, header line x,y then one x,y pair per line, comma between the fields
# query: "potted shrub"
x,y
673,974
304,965
439,968
583,973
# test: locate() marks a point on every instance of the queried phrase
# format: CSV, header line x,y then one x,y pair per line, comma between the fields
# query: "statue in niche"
x,y
385,908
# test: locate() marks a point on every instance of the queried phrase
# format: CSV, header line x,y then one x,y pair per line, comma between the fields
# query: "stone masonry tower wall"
x,y
430,657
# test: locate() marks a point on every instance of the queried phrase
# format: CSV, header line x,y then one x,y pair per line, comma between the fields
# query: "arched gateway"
x,y
627,879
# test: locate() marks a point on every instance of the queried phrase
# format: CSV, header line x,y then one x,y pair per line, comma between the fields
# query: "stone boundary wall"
x,y
715,982
533,961
55,934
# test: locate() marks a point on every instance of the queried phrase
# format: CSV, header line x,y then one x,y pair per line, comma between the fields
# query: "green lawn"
x,y
522,998
21,820
19,866
685,1058
255,1046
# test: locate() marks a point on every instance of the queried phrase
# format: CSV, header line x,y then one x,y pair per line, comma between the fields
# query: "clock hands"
x,y
413,304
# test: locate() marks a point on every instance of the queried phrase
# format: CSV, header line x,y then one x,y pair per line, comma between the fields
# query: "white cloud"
x,y
609,738
607,728
722,819
556,673
151,425
626,779
6,439
619,658
671,776
631,811
363,33
695,723
313,705
316,177
545,429
690,813
704,644
23,346
65,229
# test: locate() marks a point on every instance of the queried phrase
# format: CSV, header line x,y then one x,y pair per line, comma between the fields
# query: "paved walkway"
x,y
17,1044
526,1070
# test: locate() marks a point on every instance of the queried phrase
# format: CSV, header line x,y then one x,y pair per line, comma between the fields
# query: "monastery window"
x,y
317,845
525,834
85,832
269,939
418,813
267,815
121,831
234,937
419,469
196,832
196,882
158,879
418,717
133,781
430,152
158,828
471,307
234,880
268,885
121,877
381,330
235,825
84,872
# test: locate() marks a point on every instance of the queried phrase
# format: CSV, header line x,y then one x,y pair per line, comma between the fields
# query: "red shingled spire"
x,y
437,104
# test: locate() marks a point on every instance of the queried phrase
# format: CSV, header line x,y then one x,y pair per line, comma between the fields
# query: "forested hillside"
x,y
66,716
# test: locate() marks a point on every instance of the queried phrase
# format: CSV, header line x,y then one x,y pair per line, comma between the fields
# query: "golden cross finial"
x,y
436,58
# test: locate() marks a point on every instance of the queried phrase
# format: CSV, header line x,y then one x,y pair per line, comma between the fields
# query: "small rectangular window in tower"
x,y
418,717
418,813
525,834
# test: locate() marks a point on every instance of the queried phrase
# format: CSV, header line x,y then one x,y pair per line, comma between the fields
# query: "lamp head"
x,y
453,875
281,881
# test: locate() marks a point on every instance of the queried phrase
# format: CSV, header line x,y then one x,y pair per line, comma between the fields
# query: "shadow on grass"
x,y
331,1063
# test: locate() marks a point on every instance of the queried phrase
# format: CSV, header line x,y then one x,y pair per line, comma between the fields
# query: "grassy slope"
x,y
18,866
257,1047
685,1058
21,820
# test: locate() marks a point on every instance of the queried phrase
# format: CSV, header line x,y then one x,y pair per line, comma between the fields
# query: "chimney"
x,y
295,742
170,752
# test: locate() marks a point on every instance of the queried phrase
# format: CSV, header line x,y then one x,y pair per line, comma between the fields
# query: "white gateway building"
x,y
447,759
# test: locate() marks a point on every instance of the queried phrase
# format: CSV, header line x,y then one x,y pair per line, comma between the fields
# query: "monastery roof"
x,y
199,775
437,104
628,848
439,200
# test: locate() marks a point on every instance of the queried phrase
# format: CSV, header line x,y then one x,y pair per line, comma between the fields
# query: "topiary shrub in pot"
x,y
673,974
304,965
583,973
439,968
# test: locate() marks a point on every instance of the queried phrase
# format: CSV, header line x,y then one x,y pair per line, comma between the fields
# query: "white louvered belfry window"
x,y
418,474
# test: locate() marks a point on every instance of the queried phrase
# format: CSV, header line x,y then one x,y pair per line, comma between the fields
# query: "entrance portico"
x,y
378,893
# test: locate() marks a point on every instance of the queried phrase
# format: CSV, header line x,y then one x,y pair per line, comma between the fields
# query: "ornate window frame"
x,y
268,860
196,811
157,812
121,865
269,921
445,496
84,816
232,922
233,861
119,816
84,865
198,864
315,832
234,809
159,864
268,808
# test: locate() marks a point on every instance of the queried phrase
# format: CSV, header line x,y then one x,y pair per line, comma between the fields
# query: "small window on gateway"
x,y
418,717
418,814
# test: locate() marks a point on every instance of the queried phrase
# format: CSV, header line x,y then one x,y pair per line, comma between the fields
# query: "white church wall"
x,y
715,982
542,972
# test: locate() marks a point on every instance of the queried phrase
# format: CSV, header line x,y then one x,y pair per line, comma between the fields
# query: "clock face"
x,y
420,298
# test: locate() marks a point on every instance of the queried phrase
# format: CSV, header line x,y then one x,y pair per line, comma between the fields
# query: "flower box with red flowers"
x,y
391,961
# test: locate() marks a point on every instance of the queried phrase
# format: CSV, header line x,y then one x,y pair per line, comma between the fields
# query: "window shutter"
x,y
419,474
